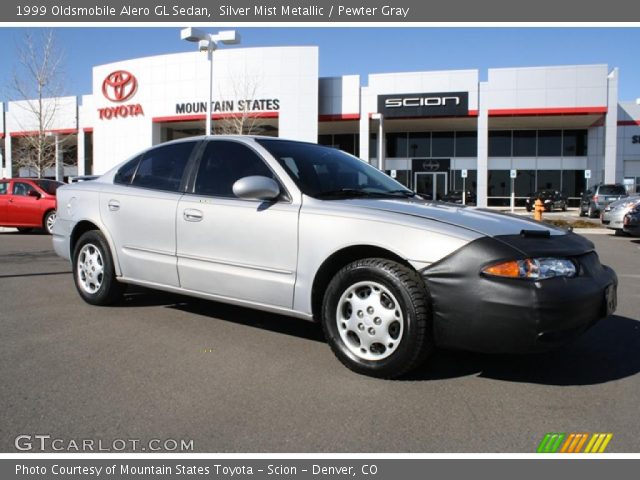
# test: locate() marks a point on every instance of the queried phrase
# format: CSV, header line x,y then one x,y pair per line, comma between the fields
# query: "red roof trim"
x,y
341,117
215,116
87,129
33,133
628,123
525,112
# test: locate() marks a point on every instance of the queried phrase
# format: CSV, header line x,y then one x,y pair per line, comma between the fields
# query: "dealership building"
x,y
558,127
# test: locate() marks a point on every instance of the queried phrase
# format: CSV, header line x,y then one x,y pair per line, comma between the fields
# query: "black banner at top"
x,y
296,11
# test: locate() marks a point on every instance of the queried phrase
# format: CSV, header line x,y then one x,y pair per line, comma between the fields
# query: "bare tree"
x,y
38,83
244,120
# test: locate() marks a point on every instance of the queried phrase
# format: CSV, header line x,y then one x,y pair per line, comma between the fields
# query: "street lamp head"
x,y
191,34
206,45
228,37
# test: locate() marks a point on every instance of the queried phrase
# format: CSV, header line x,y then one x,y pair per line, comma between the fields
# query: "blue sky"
x,y
351,50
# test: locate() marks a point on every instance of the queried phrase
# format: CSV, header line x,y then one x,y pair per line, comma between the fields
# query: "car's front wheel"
x,y
93,270
376,318
49,220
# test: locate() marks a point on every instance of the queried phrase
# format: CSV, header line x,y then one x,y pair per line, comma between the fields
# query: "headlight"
x,y
533,268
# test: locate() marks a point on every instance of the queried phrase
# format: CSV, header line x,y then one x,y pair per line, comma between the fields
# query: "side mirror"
x,y
256,187
34,194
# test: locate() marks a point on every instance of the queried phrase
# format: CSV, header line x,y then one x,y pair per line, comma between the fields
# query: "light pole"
x,y
208,42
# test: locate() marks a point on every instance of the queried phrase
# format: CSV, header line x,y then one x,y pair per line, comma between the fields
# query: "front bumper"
x,y
500,315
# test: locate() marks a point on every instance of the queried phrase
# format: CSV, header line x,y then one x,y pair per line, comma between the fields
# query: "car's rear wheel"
x,y
49,220
376,318
93,270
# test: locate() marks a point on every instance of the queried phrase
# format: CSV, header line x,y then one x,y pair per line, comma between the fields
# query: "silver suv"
x,y
595,199
312,232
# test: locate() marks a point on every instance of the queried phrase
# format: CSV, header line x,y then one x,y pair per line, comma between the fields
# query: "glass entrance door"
x,y
432,186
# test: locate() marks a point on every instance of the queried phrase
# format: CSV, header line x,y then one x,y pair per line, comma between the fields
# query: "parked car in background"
x,y
596,199
552,200
27,203
312,232
631,222
455,196
613,215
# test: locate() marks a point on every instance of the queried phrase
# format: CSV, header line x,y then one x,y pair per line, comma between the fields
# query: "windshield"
x,y
327,173
49,186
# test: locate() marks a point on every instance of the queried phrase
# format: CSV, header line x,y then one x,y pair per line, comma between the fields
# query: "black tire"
x,y
529,209
25,229
415,340
107,289
47,222
564,207
581,213
592,212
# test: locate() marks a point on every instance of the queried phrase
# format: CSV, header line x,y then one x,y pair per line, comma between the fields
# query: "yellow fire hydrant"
x,y
537,211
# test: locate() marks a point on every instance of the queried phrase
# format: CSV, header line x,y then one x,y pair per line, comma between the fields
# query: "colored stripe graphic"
x,y
551,442
598,443
573,442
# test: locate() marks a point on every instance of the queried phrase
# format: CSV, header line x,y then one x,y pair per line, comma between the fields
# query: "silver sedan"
x,y
312,232
613,215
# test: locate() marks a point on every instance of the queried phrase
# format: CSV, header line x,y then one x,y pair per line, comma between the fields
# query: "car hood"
x,y
483,221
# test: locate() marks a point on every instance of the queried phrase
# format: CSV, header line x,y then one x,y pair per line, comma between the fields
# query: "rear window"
x,y
49,186
612,190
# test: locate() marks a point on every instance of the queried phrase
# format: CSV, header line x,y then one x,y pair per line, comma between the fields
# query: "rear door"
x,y
139,212
234,248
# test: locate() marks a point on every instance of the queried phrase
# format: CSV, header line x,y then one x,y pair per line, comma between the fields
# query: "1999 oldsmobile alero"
x,y
313,232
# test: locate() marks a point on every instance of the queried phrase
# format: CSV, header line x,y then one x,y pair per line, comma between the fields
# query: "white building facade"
x,y
559,127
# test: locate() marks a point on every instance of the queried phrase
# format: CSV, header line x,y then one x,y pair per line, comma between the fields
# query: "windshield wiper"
x,y
403,192
354,192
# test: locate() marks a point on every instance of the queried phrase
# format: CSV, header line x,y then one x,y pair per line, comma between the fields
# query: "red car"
x,y
28,203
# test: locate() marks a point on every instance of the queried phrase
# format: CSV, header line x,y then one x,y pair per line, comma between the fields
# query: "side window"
x,y
126,172
4,186
162,167
21,188
223,163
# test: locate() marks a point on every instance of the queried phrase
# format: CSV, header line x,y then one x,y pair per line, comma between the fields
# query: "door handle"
x,y
114,205
192,215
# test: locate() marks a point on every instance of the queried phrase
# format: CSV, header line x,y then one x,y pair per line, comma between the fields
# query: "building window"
x,y
442,144
396,145
574,143
419,144
500,144
348,142
525,183
549,143
524,143
466,144
573,183
373,145
549,180
499,183
456,181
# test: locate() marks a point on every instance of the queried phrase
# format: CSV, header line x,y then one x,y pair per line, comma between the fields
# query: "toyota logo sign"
x,y
119,86
430,166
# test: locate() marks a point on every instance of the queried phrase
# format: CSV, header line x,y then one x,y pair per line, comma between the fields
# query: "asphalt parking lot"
x,y
162,366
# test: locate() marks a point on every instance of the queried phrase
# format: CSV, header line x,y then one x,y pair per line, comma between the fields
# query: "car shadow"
x,y
140,297
607,352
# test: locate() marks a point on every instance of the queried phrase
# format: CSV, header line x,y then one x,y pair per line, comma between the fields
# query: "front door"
x,y
235,248
432,186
